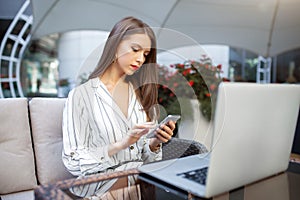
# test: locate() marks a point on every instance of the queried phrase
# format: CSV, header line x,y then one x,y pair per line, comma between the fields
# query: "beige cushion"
x,y
46,124
17,171
24,195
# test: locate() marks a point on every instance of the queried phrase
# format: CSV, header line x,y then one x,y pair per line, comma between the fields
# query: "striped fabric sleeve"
x,y
148,155
78,157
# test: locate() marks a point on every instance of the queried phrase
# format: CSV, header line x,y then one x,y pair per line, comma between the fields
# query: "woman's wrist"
x,y
155,148
116,147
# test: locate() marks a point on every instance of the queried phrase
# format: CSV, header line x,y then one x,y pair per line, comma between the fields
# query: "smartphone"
x,y
173,118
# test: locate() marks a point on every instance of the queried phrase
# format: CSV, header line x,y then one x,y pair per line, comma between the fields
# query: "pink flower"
x,y
212,87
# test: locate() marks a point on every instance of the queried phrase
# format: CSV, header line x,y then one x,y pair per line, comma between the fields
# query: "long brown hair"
x,y
145,79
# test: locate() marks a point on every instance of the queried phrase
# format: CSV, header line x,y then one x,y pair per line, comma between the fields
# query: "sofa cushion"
x,y
24,195
46,125
17,170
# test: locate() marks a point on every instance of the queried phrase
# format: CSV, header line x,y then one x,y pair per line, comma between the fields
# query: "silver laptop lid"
x,y
254,128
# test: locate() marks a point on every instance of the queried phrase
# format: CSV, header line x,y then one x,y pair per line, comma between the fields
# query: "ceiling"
x,y
267,27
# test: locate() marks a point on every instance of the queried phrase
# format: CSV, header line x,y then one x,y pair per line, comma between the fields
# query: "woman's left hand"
x,y
163,134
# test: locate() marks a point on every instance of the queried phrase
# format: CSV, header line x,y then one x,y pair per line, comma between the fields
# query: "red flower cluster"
x,y
192,79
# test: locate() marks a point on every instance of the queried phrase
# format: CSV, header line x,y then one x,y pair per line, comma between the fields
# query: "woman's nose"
x,y
140,57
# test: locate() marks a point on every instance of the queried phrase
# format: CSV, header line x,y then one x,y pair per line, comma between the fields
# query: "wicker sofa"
x,y
31,144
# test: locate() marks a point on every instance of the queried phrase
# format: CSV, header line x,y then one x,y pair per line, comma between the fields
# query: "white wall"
x,y
75,48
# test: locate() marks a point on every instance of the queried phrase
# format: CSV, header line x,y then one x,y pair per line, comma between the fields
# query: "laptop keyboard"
x,y
197,175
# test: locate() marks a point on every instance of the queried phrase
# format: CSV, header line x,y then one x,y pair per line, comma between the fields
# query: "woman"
x,y
105,119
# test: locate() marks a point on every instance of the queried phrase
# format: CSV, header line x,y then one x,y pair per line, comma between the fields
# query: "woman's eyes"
x,y
137,50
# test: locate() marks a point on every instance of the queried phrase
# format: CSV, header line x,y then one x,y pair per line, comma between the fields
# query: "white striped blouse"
x,y
92,121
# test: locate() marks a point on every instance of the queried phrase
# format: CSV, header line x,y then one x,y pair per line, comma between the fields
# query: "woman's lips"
x,y
135,67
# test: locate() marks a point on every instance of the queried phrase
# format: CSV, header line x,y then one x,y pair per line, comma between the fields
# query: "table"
x,y
283,186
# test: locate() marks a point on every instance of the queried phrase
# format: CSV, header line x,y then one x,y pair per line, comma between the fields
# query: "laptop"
x,y
253,132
